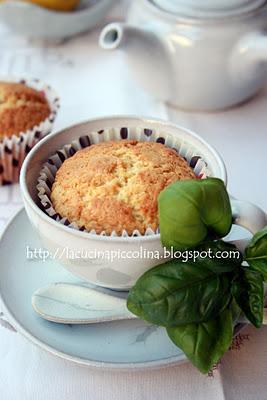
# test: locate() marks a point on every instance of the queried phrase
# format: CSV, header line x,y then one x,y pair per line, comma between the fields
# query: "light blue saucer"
x,y
117,345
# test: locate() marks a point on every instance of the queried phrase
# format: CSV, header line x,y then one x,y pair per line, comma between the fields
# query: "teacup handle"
x,y
248,215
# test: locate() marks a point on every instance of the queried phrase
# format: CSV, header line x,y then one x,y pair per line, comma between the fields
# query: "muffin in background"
x,y
114,185
28,109
21,108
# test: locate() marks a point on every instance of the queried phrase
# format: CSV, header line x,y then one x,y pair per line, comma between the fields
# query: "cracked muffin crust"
x,y
114,186
21,108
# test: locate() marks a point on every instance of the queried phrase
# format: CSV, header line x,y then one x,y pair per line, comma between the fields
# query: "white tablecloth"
x,y
94,83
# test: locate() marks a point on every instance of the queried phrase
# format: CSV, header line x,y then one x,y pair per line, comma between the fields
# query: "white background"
x,y
92,83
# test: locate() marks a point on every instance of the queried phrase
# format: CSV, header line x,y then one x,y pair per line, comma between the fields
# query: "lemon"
x,y
59,5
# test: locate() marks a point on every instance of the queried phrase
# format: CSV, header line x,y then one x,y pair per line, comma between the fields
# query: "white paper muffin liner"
x,y
47,174
14,149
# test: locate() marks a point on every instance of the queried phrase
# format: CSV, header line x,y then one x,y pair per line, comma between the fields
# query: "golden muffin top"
x,y
114,186
21,108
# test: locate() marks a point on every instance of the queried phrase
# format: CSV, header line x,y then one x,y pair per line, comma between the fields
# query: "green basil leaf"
x,y
248,291
236,311
219,256
192,210
178,293
204,343
256,252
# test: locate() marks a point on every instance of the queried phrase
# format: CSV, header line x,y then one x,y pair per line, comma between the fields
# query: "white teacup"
x,y
82,253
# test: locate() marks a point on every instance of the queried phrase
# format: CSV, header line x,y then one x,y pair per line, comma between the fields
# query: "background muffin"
x,y
21,108
114,185
28,109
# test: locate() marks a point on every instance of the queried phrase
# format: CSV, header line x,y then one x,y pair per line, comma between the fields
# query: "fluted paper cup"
x,y
14,149
50,168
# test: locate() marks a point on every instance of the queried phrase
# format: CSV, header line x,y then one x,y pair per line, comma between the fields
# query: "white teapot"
x,y
195,54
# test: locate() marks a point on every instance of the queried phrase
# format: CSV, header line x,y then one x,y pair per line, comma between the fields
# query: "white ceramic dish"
x,y
117,345
120,273
126,345
41,23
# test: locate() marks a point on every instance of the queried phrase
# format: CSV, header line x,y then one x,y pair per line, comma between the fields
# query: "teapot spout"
x,y
146,53
112,36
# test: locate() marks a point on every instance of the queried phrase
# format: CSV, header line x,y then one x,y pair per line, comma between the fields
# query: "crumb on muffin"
x,y
114,186
21,108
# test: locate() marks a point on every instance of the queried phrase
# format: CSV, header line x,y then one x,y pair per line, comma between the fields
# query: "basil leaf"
x,y
178,293
204,343
236,311
247,289
192,210
219,256
256,252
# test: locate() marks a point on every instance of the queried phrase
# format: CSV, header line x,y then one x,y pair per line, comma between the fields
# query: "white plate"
x,y
117,345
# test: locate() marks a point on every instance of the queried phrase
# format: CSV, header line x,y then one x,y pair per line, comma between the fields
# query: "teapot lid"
x,y
208,8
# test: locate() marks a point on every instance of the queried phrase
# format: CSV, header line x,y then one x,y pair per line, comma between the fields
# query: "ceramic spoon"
x,y
73,304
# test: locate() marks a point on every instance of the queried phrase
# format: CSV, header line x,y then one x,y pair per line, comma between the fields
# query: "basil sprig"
x,y
199,301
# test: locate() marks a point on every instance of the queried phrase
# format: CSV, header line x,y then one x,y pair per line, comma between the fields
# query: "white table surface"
x,y
93,83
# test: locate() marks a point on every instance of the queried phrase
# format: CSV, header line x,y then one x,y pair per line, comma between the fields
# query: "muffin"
x,y
114,186
21,108
27,112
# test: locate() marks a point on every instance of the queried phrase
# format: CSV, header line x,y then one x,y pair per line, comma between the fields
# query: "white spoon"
x,y
66,303
74,304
